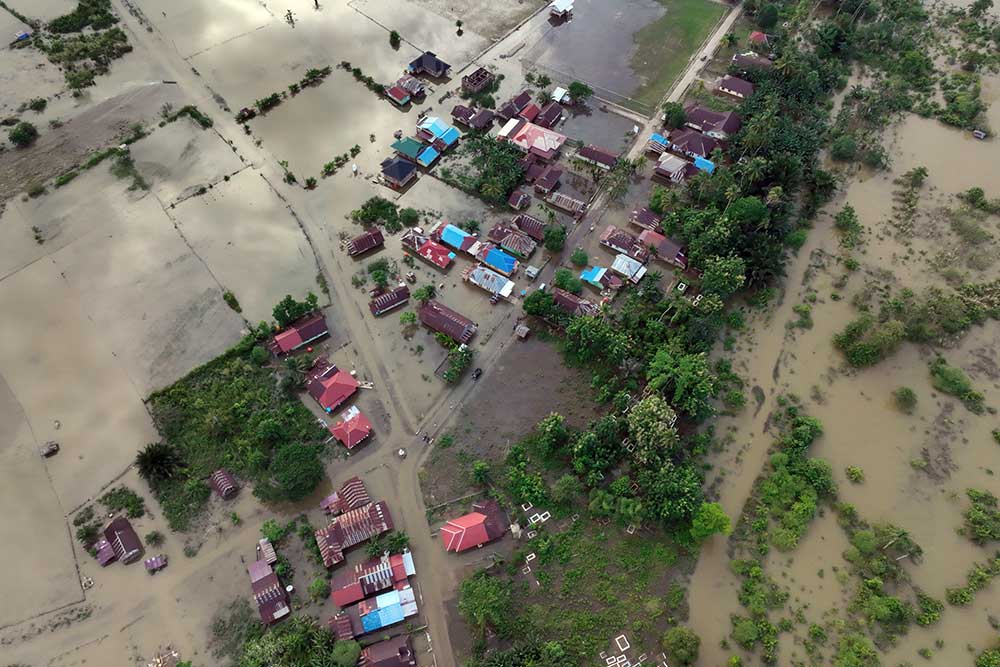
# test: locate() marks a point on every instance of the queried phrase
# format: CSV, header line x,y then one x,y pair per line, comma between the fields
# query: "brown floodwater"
x,y
862,426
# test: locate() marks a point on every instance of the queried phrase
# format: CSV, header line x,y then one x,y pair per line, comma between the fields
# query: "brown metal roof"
x,y
530,225
599,155
383,303
442,319
367,241
223,484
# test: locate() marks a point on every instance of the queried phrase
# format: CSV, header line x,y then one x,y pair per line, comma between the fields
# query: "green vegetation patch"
x,y
664,46
231,413
951,380
982,519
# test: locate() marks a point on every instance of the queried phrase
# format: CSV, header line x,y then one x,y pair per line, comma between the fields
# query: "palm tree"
x,y
729,40
158,462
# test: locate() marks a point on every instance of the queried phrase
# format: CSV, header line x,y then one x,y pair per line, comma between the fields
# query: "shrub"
x,y
23,134
409,217
66,178
394,39
681,645
154,538
767,17
231,301
855,474
951,380
579,257
674,115
124,498
319,588
38,104
259,355
844,148
905,399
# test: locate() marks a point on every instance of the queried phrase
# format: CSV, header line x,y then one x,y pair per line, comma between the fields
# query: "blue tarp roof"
x,y
450,136
500,260
383,617
703,164
453,236
434,125
593,274
427,156
659,138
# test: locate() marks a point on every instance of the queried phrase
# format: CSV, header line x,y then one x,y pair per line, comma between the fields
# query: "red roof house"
x,y
736,87
268,593
548,180
519,200
550,115
511,239
440,318
370,577
573,304
623,242
645,218
390,300
369,240
123,540
529,112
352,428
715,124
484,524
463,114
530,225
299,333
692,143
597,156
531,138
351,495
423,246
394,652
398,95
223,484
667,249
329,385
351,529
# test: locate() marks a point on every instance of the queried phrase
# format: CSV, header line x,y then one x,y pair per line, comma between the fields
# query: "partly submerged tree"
x,y
158,462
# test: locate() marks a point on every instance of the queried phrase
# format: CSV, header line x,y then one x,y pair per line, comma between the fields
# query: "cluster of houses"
x,y
327,384
432,137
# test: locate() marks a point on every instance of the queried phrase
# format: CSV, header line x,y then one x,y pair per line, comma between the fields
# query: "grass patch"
x,y
66,178
665,46
951,380
230,413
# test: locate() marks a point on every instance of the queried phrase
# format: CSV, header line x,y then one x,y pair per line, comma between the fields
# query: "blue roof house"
x,y
497,259
703,164
593,276
428,156
457,238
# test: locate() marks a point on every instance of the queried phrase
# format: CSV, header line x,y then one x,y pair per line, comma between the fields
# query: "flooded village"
x,y
499,333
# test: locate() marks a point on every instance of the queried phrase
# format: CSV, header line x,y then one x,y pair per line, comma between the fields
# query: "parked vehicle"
x,y
476,374
49,449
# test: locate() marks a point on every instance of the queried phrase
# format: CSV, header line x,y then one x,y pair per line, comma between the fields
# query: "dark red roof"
x,y
529,112
462,114
530,225
549,115
352,428
705,120
598,155
427,249
397,94
645,218
482,120
268,593
521,100
573,304
300,332
352,528
369,240
623,242
518,199
549,179
223,484
442,319
341,626
737,85
394,652
122,538
692,142
351,495
385,302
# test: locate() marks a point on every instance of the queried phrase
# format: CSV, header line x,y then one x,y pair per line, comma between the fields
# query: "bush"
x,y
154,538
579,257
38,104
855,474
767,17
409,217
951,380
259,355
905,399
844,148
66,178
319,588
674,115
124,498
23,134
564,279
231,301
681,645
394,39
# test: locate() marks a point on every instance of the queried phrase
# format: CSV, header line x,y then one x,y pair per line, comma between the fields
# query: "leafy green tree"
x,y
481,472
295,471
553,436
319,588
685,378
579,257
650,429
592,338
674,115
767,17
723,275
566,489
288,309
345,653
407,319
855,650
673,492
409,217
710,519
158,462
394,39
485,602
23,134
681,645
844,148
296,642
554,238
564,279
579,91
425,293
989,658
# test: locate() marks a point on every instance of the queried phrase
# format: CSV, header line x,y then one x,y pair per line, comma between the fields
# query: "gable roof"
x,y
428,63
123,540
706,120
268,593
407,146
737,85
482,120
351,494
645,218
518,199
442,319
489,280
693,142
352,528
550,114
371,576
484,524
387,301
751,59
549,178
529,111
462,113
573,304
394,652
530,225
366,241
495,258
352,428
300,332
599,155
330,386
427,249
667,248
223,483
509,237
623,242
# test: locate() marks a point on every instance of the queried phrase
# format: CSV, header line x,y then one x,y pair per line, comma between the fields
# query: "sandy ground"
x,y
490,18
876,437
44,10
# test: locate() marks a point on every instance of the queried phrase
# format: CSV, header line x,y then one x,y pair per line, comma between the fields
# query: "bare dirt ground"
x,y
952,447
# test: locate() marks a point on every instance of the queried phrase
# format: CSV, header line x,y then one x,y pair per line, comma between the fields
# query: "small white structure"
x,y
628,268
561,95
561,8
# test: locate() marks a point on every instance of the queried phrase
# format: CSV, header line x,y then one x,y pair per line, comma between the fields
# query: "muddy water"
x,y
862,427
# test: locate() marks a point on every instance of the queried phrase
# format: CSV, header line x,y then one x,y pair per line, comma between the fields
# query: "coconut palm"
x,y
158,462
729,40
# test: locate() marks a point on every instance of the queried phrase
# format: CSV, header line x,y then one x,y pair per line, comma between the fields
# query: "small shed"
x,y
155,564
266,551
224,484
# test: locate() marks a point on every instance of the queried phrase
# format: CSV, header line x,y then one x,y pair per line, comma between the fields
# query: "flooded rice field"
x,y
916,466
